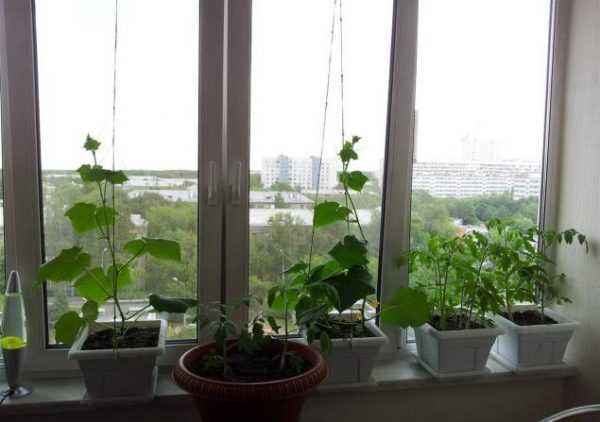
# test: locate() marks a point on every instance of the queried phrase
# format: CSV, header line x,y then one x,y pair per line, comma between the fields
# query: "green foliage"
x,y
407,308
521,266
100,284
68,327
328,213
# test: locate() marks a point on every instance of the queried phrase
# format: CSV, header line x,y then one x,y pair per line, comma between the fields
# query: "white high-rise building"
x,y
298,172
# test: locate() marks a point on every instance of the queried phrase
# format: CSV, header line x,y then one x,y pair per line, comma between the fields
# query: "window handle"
x,y
211,198
236,186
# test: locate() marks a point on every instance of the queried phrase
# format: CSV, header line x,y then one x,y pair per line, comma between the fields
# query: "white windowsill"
x,y
65,395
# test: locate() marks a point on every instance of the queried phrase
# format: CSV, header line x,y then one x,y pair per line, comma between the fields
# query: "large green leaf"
x,y
91,144
329,212
279,302
125,278
158,248
163,249
135,247
67,327
89,310
352,286
94,285
81,216
91,173
105,216
116,177
171,304
355,180
350,253
407,308
67,266
324,271
297,268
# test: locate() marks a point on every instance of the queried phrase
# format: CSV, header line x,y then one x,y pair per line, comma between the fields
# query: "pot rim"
x,y
315,368
461,334
562,323
76,353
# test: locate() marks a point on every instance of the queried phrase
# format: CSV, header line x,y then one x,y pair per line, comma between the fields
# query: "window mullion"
x,y
395,233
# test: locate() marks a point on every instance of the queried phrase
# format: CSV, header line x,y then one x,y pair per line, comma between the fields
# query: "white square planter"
x,y
352,361
454,352
533,347
125,374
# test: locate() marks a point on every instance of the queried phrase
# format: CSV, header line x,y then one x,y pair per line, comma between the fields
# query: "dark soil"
x,y
531,317
456,322
133,338
262,366
344,329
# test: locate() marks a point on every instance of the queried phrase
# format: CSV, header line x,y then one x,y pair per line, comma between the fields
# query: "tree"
x,y
281,187
256,182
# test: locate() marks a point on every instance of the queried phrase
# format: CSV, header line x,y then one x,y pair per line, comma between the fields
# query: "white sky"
x,y
481,72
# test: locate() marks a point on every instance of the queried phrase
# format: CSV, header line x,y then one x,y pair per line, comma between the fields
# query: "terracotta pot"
x,y
273,401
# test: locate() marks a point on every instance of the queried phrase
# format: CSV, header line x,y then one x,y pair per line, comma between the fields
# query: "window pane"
x,y
156,136
289,75
480,104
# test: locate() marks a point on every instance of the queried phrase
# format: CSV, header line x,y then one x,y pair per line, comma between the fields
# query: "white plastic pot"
x,y
352,360
454,352
121,374
533,347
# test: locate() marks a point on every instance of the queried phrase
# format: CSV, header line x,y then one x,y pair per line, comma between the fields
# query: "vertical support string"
x,y
113,139
323,128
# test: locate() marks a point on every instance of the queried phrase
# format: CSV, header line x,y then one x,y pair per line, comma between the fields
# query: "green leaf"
x,y
325,343
91,144
407,308
350,253
158,248
352,286
347,152
89,310
297,268
324,271
91,173
94,286
105,216
329,212
271,295
68,327
68,265
116,177
135,247
280,300
163,249
170,304
125,278
355,180
81,216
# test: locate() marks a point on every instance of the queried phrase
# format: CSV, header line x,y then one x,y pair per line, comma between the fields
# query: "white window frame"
x,y
223,156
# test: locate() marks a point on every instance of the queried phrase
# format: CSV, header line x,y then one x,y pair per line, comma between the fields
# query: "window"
x,y
478,140
155,135
289,80
210,97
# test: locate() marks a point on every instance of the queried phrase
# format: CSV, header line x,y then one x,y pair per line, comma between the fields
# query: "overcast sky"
x,y
481,73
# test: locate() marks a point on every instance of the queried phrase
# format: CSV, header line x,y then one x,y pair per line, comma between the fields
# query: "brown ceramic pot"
x,y
273,401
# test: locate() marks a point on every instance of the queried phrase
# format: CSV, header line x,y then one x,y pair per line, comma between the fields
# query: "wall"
x,y
579,193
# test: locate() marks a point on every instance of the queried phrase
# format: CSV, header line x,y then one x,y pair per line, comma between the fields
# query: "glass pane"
x,y
155,136
480,105
289,76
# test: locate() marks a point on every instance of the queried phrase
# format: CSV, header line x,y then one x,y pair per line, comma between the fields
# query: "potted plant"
x,y
117,358
458,336
247,375
536,337
330,300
